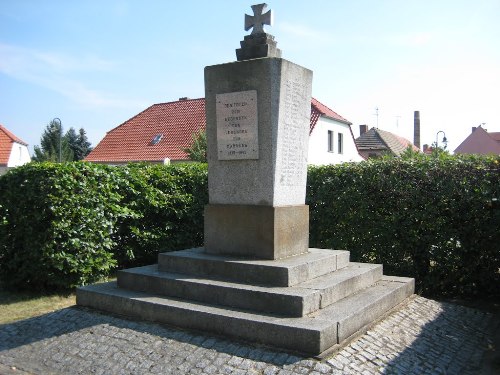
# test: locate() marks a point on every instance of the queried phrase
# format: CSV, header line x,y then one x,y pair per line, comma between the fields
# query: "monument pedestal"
x,y
256,231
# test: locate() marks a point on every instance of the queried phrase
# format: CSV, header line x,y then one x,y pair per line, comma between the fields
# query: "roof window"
x,y
157,139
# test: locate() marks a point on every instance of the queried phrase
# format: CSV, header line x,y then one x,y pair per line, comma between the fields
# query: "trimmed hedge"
x,y
166,205
429,218
57,221
63,225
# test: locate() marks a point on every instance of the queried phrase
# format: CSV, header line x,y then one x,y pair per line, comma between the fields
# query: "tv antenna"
x,y
376,114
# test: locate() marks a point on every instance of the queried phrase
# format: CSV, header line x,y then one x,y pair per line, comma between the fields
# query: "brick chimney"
x,y
363,129
416,129
474,129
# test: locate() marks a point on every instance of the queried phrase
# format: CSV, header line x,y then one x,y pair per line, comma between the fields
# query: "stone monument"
x,y
257,112
256,279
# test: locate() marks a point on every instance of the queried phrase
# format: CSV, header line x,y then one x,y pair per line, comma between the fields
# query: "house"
x,y
13,151
331,140
377,142
160,133
480,142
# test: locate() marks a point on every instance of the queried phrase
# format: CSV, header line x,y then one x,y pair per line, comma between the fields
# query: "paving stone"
x,y
424,337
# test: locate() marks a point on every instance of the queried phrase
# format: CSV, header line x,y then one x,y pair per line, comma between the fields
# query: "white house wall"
x,y
19,155
318,143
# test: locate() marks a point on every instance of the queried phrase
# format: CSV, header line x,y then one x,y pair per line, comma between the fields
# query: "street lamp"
x,y
444,138
60,137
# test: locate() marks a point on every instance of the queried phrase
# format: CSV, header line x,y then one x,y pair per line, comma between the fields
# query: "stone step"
x,y
297,300
311,335
282,272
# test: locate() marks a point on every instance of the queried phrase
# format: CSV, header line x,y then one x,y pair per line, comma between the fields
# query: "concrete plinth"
x,y
256,231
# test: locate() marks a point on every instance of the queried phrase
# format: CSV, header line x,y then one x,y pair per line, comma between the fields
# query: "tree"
x,y
51,143
82,146
73,146
198,149
439,151
72,139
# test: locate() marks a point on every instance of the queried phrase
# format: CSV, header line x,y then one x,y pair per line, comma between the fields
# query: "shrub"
x,y
57,222
167,205
434,219
428,218
64,225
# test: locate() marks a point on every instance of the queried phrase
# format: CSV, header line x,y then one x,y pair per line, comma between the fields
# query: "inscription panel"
x,y
294,134
237,125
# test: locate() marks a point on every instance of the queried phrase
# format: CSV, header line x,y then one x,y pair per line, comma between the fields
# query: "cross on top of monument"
x,y
258,20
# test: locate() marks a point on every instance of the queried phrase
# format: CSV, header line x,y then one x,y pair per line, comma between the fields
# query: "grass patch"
x,y
23,305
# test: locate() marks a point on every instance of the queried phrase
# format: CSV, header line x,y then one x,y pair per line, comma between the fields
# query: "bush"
x,y
57,225
428,218
63,225
166,203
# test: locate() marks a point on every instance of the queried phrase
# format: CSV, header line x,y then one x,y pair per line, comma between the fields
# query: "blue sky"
x,y
94,64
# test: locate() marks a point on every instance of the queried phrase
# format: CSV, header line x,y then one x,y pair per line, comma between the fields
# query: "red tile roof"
x,y
319,109
6,141
480,142
177,121
132,140
495,136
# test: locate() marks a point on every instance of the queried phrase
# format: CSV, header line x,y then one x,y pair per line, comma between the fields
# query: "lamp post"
x,y
444,138
60,137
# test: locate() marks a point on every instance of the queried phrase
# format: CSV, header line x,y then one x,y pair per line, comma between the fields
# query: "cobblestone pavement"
x,y
423,337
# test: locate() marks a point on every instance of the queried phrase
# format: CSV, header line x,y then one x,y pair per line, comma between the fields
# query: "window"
x,y
330,140
157,139
340,147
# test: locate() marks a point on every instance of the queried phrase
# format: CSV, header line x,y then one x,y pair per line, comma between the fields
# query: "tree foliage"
x,y
73,146
198,149
53,145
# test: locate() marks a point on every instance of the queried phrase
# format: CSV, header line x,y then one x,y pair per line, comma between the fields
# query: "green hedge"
x,y
57,221
428,218
69,224
166,205
63,225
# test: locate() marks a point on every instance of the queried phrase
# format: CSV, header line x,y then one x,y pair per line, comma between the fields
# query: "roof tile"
x,y
377,139
177,121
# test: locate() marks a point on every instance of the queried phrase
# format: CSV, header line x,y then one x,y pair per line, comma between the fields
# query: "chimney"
x,y
474,129
363,129
426,147
416,129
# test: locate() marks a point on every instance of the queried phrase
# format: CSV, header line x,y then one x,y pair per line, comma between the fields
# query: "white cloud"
x,y
60,73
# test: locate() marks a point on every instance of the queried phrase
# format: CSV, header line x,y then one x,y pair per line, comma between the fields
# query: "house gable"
x,y
480,142
13,150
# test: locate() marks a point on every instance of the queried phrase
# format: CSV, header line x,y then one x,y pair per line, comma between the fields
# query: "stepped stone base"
x,y
307,303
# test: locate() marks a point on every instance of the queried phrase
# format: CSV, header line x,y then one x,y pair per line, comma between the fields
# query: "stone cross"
x,y
258,20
